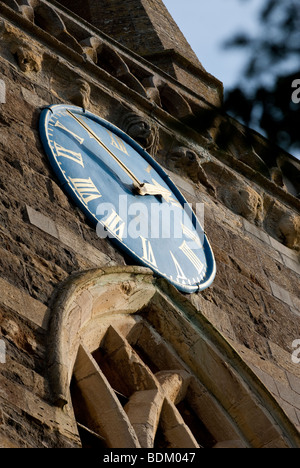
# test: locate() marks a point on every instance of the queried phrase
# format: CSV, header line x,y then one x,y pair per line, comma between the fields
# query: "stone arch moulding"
x,y
88,303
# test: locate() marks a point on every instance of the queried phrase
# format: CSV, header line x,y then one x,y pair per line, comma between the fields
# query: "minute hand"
x,y
136,181
141,188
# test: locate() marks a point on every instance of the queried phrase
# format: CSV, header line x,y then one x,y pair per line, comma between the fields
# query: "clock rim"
x,y
45,116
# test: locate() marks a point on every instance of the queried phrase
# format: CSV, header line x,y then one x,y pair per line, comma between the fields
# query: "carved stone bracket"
x,y
102,54
139,128
28,55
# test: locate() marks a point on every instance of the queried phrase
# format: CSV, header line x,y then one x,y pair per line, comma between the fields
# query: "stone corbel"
x,y
70,86
140,129
50,21
80,93
282,223
277,177
29,57
186,161
113,63
174,102
27,10
287,175
152,85
90,46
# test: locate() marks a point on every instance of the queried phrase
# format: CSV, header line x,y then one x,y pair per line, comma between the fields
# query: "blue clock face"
x,y
127,195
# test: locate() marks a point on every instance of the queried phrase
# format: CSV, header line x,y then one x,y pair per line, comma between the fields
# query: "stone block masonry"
x,y
250,221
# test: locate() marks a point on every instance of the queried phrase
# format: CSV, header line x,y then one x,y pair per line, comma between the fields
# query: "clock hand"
x,y
136,181
140,188
155,189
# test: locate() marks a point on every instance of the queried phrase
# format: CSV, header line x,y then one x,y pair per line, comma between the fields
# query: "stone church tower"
x,y
95,349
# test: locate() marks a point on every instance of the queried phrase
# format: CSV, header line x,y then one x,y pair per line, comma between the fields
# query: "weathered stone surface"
x,y
28,60
240,197
140,129
251,219
175,428
101,401
284,225
22,303
143,410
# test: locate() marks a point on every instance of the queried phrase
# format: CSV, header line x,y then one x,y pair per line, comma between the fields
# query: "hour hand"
x,y
154,189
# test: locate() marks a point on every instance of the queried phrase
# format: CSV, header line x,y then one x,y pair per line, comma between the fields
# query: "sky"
x,y
206,24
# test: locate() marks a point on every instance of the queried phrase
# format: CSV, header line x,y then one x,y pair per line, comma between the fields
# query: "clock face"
x,y
127,196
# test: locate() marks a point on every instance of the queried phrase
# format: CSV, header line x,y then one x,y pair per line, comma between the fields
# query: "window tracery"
x,y
140,366
149,408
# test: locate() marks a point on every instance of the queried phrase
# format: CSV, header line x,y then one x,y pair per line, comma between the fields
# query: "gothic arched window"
x,y
141,367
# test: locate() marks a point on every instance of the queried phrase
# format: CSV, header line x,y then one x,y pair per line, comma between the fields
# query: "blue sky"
x,y
208,23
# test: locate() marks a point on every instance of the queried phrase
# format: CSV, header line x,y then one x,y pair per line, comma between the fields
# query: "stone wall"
x,y
146,28
143,26
251,211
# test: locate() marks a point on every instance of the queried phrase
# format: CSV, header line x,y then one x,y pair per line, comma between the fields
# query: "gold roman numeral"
x,y
65,153
180,274
191,235
85,189
59,125
117,142
192,257
115,224
148,254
